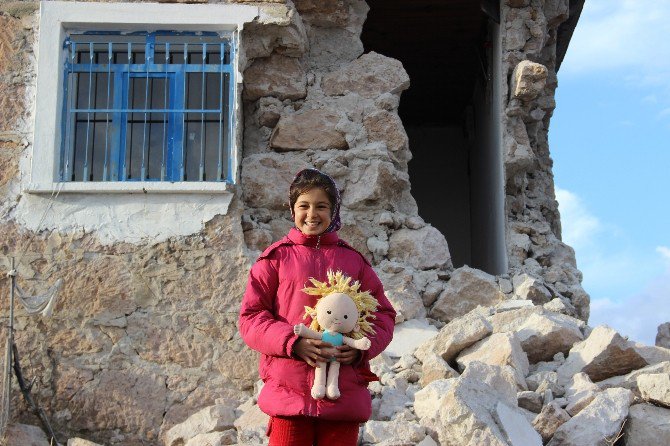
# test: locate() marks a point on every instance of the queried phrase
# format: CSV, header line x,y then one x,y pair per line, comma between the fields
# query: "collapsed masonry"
x,y
145,333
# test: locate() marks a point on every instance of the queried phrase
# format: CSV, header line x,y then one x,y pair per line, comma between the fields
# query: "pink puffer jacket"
x,y
274,302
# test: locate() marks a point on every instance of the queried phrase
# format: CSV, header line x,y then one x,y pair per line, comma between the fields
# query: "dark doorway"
x,y
451,113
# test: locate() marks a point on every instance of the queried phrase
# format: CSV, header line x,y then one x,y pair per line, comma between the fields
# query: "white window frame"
x,y
56,19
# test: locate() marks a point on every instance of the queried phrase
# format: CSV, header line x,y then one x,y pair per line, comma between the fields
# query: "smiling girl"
x,y
274,302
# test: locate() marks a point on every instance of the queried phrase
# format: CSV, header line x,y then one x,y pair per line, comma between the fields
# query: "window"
x,y
147,107
137,97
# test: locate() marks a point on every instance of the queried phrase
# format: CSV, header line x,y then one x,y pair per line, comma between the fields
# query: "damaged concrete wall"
x,y
144,333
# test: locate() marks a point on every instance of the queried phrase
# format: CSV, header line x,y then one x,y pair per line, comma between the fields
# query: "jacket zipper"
x,y
318,242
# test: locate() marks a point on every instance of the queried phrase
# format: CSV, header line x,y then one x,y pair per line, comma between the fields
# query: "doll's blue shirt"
x,y
335,338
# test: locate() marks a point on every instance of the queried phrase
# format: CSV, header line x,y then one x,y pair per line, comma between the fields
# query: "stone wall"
x,y
144,333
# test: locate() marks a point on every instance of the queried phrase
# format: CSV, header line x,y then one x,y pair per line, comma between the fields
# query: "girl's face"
x,y
311,212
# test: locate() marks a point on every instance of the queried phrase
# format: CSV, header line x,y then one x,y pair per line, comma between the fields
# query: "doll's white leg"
x,y
332,386
319,386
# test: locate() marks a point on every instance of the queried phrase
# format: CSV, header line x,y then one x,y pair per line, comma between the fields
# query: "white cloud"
x,y
630,290
622,34
578,224
664,251
638,316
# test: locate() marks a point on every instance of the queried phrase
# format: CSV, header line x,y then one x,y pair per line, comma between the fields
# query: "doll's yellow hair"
x,y
338,282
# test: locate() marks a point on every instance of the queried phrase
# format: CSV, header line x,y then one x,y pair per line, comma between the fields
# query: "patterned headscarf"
x,y
308,179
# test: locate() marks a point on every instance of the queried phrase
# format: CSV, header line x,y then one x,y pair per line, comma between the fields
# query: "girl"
x,y
274,302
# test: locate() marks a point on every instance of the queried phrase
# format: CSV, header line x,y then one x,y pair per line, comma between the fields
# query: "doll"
x,y
341,316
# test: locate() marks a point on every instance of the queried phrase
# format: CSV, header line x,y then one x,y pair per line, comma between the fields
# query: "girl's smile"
x,y
312,212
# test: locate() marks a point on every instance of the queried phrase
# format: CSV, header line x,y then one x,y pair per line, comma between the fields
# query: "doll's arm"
x,y
305,332
360,344
384,322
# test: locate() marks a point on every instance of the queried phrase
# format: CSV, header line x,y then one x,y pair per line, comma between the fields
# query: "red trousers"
x,y
308,431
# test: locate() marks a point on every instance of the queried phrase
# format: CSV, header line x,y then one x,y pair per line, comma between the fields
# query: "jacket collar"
x,y
328,238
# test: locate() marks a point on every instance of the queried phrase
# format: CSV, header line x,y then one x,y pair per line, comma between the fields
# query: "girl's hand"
x,y
346,355
312,351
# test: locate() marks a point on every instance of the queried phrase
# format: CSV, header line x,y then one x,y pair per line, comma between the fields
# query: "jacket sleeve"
x,y
385,314
258,326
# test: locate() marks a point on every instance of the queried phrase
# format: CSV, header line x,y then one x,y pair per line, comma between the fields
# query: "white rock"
x,y
516,427
530,400
252,425
655,388
598,423
629,381
408,335
544,335
530,288
479,287
498,349
464,414
80,442
370,76
423,248
663,336
651,353
393,433
430,400
647,425
513,304
528,80
602,355
228,437
392,401
549,419
434,368
460,334
210,419
579,393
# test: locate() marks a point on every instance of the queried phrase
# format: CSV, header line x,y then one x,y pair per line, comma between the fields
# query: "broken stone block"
x,y
544,335
655,388
516,428
391,433
434,368
215,418
598,423
647,425
579,393
629,381
528,80
602,355
663,335
498,349
549,419
511,320
463,413
278,76
309,129
81,442
266,178
228,437
423,248
379,185
460,334
530,288
252,425
430,400
409,335
369,76
652,353
467,289
530,400
387,127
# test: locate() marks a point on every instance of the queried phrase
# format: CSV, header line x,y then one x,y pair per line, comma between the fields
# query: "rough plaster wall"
x,y
144,332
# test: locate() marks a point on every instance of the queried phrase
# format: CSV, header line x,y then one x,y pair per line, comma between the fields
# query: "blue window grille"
x,y
148,106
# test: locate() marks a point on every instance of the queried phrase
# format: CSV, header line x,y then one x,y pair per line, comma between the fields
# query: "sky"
x,y
609,139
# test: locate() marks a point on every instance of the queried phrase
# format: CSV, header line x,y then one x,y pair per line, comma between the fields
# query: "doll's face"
x,y
337,313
